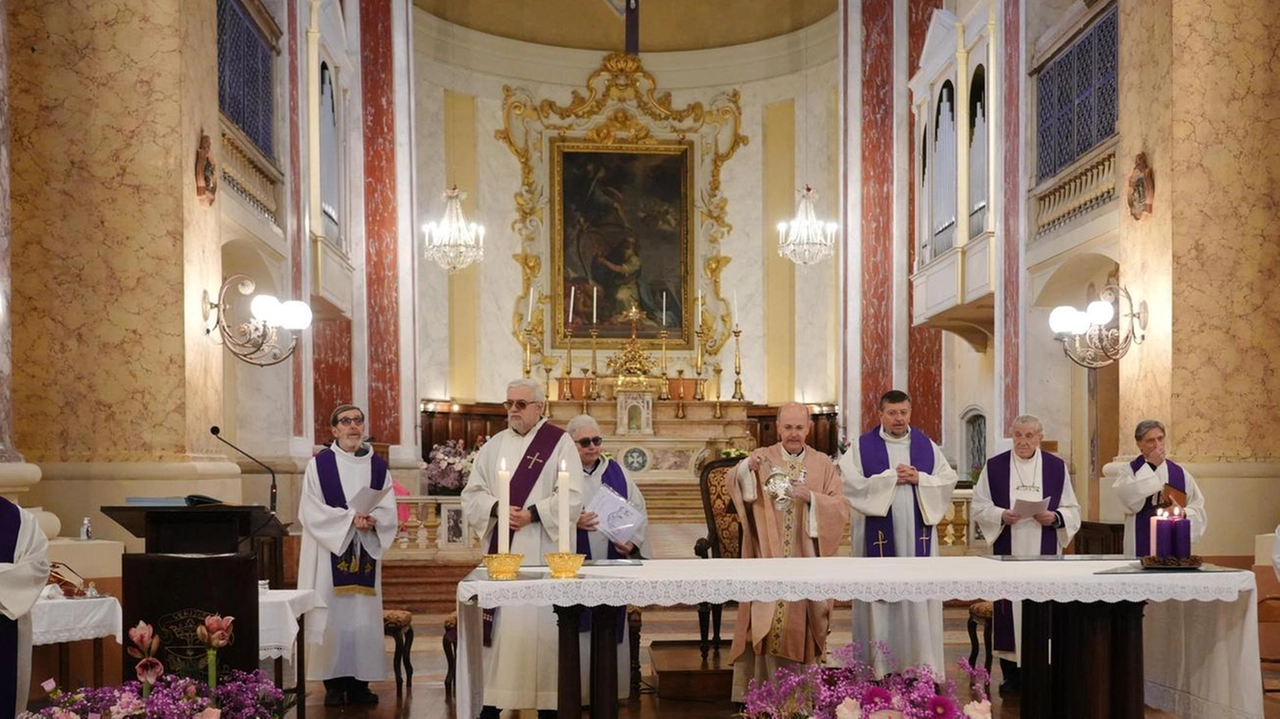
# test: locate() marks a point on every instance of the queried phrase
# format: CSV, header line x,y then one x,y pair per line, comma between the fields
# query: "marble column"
x,y
115,383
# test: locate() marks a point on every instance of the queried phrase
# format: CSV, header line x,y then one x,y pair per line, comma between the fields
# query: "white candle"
x,y
664,308
735,307
1152,534
529,315
697,308
594,292
562,483
504,508
572,290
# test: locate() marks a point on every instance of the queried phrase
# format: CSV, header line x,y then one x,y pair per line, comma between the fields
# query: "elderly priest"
x,y
1048,518
24,569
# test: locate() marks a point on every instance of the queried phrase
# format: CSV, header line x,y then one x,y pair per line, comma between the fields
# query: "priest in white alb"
x,y
1141,489
900,485
521,643
24,569
1032,477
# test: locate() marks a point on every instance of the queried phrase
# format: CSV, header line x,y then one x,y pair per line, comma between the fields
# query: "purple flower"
x,y
941,707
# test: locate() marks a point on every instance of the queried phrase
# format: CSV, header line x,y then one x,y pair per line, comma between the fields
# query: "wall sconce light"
x,y
256,340
1103,332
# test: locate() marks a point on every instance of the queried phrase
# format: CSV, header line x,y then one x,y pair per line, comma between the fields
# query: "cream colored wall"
x,y
967,384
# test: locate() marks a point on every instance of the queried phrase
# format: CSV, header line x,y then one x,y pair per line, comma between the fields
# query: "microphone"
x,y
217,432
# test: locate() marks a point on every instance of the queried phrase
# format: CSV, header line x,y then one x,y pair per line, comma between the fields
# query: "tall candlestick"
x,y
562,484
595,291
664,308
572,290
504,509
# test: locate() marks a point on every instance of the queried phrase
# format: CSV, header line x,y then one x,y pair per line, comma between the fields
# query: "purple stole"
x,y
10,522
1053,474
526,475
1142,521
617,481
354,571
878,536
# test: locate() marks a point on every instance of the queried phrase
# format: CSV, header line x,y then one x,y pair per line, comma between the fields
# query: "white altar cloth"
x,y
278,612
1204,669
54,621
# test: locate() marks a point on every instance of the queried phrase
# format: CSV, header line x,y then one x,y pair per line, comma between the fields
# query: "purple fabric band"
x,y
1142,521
617,481
10,521
354,567
878,538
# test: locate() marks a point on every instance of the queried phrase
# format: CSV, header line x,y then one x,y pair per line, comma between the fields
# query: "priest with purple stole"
x,y
521,643
900,487
341,553
24,569
602,474
1031,475
789,499
1140,489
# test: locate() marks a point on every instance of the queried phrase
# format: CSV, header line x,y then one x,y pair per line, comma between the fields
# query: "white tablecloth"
x,y
70,620
278,612
1206,669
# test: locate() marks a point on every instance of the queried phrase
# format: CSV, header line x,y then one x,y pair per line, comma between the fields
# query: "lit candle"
x,y
1151,536
572,290
1164,535
594,292
664,308
1181,534
504,508
562,483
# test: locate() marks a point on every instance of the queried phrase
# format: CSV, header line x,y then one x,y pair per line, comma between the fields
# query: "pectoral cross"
x,y
925,536
534,458
880,541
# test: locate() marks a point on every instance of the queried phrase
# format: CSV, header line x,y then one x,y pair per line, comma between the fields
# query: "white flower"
x,y
849,709
978,710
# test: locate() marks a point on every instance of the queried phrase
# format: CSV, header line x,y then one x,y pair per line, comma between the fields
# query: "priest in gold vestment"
x,y
791,503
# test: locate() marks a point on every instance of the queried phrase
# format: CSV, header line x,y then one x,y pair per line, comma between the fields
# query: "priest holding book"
x,y
1152,482
24,569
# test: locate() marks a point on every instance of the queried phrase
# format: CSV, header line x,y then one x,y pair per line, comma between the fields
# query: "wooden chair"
x,y
980,612
723,540
398,624
450,644
1269,640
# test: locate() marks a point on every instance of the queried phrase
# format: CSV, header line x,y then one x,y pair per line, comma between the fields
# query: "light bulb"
x,y
1060,319
295,315
1099,312
266,308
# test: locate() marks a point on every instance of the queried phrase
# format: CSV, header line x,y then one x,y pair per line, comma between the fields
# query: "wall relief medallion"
x,y
206,172
1142,187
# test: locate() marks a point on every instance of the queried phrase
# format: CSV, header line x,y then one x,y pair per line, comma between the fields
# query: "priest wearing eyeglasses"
x,y
521,643
602,474
1030,475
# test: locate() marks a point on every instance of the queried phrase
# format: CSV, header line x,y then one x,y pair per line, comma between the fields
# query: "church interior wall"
x,y
968,386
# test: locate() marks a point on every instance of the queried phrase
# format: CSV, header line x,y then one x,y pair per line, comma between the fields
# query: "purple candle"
x,y
1181,536
1164,536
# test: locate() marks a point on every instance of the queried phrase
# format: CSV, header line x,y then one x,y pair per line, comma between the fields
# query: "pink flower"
x,y
209,713
149,670
941,707
216,631
876,697
145,642
49,684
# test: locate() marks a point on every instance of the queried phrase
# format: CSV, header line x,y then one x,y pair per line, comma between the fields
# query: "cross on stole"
x,y
924,539
534,458
880,541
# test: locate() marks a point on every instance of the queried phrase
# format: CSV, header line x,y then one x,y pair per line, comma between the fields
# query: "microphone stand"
x,y
217,433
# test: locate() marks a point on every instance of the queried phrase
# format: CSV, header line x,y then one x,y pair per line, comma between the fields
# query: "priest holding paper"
x,y
1152,482
1025,506
789,499
24,569
518,468
613,525
348,518
900,487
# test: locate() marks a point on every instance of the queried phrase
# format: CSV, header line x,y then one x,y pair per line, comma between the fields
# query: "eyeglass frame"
x,y
349,421
519,404
588,441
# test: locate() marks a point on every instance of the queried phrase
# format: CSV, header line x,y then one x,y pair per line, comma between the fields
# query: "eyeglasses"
x,y
588,441
517,404
348,421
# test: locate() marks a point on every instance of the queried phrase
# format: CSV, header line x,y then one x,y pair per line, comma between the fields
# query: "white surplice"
x,y
21,582
591,482
520,667
1026,481
1134,488
911,630
344,633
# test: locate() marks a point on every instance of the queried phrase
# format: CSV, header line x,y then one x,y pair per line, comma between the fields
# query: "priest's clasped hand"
x,y
364,522
588,521
520,518
907,474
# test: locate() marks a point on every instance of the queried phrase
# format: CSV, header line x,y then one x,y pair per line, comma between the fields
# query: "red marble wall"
x,y
924,346
381,279
331,340
877,207
1010,111
293,208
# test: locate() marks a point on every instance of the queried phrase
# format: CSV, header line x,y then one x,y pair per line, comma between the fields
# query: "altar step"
x,y
680,672
422,586
673,503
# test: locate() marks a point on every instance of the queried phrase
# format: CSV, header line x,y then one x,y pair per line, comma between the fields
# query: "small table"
x,y
61,621
281,620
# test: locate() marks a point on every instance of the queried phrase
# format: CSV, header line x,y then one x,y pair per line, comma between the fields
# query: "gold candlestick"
x,y
567,374
737,363
664,394
719,412
697,350
528,350
546,369
680,393
595,375
698,396
586,388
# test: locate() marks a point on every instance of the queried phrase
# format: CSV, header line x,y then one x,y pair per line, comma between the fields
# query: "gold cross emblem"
x,y
924,538
534,458
880,541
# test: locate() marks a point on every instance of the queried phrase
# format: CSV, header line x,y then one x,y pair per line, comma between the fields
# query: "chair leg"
x,y
973,641
986,643
450,658
635,657
704,627
408,650
715,626
398,636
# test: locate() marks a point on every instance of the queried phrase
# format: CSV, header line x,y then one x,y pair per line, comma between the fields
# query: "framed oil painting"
x,y
622,237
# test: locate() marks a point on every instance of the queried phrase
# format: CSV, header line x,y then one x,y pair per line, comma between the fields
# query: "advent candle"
x,y
594,292
1181,534
572,290
562,516
1151,536
664,308
1164,535
504,509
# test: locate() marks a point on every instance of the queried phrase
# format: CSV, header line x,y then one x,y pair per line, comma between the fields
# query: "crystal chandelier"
x,y
806,240
453,243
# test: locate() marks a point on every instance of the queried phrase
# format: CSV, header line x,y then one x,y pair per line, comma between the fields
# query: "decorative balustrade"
x,y
956,530
250,174
1077,191
435,527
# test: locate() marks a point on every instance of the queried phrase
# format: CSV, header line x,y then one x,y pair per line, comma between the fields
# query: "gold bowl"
x,y
565,565
503,566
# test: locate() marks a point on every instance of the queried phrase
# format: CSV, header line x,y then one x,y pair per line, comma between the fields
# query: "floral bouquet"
x,y
447,468
732,453
849,689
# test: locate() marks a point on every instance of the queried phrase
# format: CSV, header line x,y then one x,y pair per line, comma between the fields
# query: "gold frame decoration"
x,y
621,107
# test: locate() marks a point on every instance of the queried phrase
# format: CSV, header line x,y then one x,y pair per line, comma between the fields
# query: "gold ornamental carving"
x,y
620,104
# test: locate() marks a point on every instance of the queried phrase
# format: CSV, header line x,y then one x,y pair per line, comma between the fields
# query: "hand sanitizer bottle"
x,y
86,530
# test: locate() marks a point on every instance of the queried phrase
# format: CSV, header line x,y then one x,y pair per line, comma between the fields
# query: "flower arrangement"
x,y
732,453
848,689
448,466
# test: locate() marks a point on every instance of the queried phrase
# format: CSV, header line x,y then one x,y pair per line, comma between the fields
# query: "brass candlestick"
x,y
698,395
664,394
737,363
680,393
528,350
586,388
697,351
546,369
719,412
567,374
595,375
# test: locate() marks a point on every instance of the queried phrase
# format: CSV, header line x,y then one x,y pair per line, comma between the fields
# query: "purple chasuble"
x,y
535,458
10,522
354,571
617,481
1053,473
878,537
1142,521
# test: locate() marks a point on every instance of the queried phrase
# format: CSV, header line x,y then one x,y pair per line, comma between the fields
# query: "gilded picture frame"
x,y
621,236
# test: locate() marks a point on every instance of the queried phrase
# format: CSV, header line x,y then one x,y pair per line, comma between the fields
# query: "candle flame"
x,y
503,466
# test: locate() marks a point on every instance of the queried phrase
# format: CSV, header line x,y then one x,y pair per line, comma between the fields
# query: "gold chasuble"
x,y
776,527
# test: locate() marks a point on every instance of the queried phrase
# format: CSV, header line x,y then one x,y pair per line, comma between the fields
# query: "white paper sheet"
x,y
618,520
1027,509
368,498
